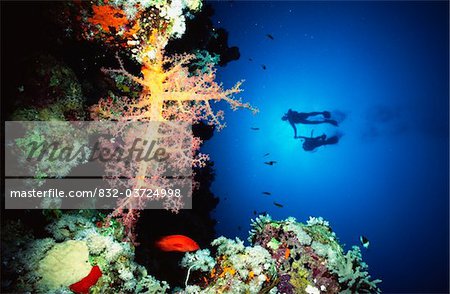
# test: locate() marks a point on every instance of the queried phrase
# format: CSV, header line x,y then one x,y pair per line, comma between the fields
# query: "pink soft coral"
x,y
170,93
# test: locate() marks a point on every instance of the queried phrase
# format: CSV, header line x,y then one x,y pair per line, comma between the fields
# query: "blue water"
x,y
383,64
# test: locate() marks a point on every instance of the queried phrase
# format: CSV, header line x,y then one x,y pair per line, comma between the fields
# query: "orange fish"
x,y
178,243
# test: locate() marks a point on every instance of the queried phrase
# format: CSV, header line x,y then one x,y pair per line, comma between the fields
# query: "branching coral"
x,y
352,272
200,260
258,225
317,262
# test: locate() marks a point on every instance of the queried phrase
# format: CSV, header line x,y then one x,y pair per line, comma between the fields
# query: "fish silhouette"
x,y
278,204
364,241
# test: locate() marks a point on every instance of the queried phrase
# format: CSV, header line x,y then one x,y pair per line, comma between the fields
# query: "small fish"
x,y
264,67
267,193
270,36
278,204
254,129
239,228
364,241
270,162
259,213
250,59
178,243
267,154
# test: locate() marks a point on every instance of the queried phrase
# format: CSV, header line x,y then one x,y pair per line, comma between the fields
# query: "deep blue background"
x,y
384,64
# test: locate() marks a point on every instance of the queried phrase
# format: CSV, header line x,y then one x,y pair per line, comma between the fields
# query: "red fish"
x,y
83,286
178,243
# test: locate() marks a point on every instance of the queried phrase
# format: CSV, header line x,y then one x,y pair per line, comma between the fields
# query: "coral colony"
x,y
284,257
90,252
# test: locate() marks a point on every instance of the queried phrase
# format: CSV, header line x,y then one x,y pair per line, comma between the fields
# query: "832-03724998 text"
x,y
102,193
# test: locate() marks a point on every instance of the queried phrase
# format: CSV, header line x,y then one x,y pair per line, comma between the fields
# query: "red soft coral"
x,y
83,286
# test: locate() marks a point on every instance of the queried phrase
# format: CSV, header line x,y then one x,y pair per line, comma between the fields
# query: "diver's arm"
x,y
295,130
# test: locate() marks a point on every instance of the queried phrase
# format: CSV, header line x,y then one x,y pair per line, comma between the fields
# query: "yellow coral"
x,y
299,278
66,263
251,274
228,270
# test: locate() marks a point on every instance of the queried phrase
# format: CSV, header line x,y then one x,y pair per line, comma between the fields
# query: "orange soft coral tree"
x,y
168,93
171,92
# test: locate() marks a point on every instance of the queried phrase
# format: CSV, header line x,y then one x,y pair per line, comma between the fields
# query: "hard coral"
x,y
238,269
316,260
63,265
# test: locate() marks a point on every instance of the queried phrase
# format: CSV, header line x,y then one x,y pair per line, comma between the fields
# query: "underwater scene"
x,y
188,146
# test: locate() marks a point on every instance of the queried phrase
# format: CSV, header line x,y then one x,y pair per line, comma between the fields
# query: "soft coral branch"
x,y
169,93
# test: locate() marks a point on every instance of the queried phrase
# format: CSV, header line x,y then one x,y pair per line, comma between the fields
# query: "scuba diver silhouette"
x,y
312,143
294,117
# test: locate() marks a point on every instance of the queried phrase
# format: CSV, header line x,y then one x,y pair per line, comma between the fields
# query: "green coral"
x,y
204,61
200,260
49,149
56,95
258,225
274,244
54,90
352,272
300,278
150,285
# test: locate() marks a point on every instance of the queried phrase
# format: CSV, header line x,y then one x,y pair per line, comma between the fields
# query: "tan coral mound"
x,y
66,263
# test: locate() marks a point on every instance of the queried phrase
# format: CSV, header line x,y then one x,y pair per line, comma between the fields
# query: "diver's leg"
x,y
317,122
325,114
331,140
331,121
314,113
311,122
